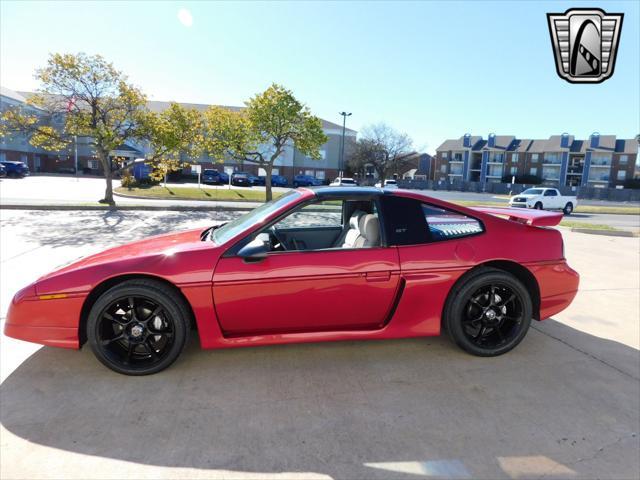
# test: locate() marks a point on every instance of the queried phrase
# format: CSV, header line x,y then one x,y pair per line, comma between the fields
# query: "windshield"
x,y
209,172
532,191
231,229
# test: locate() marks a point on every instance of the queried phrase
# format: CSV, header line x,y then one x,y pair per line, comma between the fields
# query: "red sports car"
x,y
314,265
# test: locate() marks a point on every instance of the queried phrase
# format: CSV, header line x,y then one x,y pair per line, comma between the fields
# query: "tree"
x,y
259,134
171,133
385,149
91,98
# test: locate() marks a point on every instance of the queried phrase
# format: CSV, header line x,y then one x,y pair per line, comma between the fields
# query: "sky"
x,y
432,69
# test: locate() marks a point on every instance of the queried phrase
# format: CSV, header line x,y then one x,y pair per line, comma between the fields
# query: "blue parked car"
x,y
3,171
16,169
214,177
306,181
278,181
256,181
240,179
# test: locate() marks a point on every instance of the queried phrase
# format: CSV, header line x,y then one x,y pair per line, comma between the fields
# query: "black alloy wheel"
x,y
138,327
489,314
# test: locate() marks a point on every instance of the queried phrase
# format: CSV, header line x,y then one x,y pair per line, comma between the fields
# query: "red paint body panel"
x,y
374,293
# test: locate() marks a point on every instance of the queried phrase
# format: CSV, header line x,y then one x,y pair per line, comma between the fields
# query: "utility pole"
x,y
75,141
344,124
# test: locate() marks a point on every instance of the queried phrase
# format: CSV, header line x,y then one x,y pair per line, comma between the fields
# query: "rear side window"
x,y
445,224
550,193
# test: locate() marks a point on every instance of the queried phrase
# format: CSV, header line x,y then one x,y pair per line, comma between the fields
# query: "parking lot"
x,y
564,404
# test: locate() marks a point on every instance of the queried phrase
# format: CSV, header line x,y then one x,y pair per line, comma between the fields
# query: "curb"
x,y
106,208
610,233
181,199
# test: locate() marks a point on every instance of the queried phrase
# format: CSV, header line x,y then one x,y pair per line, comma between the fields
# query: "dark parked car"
x,y
240,179
306,181
278,181
16,169
3,171
256,181
214,177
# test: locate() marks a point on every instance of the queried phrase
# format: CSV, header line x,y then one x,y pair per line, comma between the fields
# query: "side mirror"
x,y
256,250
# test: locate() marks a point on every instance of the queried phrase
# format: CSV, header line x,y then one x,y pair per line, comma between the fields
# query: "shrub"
x,y
128,180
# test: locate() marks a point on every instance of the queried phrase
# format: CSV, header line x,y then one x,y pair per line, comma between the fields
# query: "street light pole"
x,y
344,124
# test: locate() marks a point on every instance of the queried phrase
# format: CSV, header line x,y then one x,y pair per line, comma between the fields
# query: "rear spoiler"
x,y
536,218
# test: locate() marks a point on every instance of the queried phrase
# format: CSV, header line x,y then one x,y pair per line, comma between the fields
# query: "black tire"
x,y
568,208
496,334
538,206
130,352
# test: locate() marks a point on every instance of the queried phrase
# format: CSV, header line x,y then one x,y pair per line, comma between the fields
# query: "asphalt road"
x,y
564,404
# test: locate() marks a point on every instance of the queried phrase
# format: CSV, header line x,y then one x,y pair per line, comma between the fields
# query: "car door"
x,y
551,198
324,289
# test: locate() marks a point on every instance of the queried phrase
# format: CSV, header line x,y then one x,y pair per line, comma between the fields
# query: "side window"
x,y
550,193
315,215
403,220
446,224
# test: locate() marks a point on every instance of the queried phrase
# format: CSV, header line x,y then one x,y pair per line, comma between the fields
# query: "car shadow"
x,y
377,409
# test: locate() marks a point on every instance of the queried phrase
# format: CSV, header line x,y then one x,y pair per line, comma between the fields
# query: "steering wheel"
x,y
274,231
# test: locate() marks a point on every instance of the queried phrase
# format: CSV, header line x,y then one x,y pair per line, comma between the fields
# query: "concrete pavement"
x,y
564,404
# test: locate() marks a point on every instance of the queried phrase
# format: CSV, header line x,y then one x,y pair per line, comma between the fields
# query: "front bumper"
x,y
52,322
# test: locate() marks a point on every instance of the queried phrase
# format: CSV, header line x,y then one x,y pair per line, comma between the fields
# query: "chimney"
x,y
595,139
564,141
467,140
492,140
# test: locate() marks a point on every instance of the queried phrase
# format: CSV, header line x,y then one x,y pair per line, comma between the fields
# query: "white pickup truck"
x,y
544,199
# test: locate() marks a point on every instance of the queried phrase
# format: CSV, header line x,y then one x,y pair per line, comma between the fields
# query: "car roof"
x,y
349,191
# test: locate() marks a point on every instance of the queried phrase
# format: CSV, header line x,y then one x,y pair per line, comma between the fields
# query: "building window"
x,y
622,175
92,164
496,157
457,157
533,171
623,160
553,158
309,173
323,154
534,157
3,157
443,168
515,157
445,154
23,158
601,159
514,170
320,174
551,172
456,169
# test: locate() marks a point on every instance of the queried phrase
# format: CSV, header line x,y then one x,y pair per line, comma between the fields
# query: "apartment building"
x,y
290,163
560,160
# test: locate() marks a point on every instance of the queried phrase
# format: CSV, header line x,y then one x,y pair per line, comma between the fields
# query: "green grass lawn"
x,y
591,226
194,193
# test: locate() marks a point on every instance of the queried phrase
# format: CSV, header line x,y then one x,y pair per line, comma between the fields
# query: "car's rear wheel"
x,y
568,208
138,327
488,314
538,206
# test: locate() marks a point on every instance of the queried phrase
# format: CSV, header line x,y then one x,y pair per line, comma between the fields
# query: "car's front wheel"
x,y
138,327
489,313
538,206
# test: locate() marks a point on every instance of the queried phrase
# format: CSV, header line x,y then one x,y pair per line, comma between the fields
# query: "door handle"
x,y
378,276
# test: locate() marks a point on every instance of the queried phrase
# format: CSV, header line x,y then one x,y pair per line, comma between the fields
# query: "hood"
x,y
185,240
